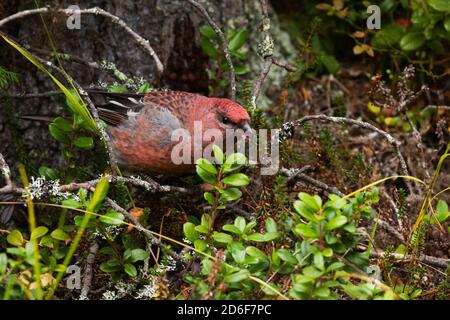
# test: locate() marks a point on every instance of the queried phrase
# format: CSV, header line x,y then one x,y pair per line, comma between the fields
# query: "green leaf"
x,y
237,251
218,154
335,266
59,234
138,255
3,263
314,203
112,218
237,276
319,261
207,166
233,162
101,190
442,212
202,229
15,238
144,88
440,5
208,32
117,89
48,173
72,203
209,197
62,124
287,256
222,237
208,48
412,41
388,36
447,24
312,272
46,241
205,175
305,211
258,237
231,228
255,252
271,225
336,222
236,180
238,40
38,232
189,231
305,231
130,269
240,223
241,69
84,143
329,62
328,252
111,265
230,195
200,244
206,221
58,134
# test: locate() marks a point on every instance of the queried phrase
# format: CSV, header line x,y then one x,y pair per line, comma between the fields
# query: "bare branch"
x,y
224,45
262,76
285,66
290,173
136,181
383,224
88,272
95,11
438,262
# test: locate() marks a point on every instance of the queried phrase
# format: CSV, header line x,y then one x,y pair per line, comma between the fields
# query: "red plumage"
x,y
141,126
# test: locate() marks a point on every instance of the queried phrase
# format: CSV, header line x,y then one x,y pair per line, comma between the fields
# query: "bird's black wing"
x,y
115,108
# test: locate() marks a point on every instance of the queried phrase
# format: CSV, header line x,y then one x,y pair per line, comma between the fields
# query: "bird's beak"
x,y
247,128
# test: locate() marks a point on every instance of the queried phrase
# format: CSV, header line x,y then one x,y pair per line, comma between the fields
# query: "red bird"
x,y
141,125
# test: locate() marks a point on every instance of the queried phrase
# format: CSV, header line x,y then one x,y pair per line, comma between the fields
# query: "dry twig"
x,y
223,44
95,11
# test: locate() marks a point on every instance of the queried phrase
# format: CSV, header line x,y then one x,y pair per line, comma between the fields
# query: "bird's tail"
x,y
38,118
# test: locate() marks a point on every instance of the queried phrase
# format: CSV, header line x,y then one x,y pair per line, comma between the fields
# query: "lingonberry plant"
x,y
313,253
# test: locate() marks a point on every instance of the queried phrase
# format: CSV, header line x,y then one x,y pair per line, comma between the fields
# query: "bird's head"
x,y
228,114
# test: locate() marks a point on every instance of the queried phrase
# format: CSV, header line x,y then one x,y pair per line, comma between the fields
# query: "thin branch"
x,y
386,226
438,262
298,174
224,45
285,66
88,272
262,76
95,11
136,181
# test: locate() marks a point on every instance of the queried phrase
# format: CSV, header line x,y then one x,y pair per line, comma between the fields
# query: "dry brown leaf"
x,y
137,214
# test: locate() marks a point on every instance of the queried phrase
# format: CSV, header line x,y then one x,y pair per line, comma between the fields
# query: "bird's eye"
x,y
225,120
